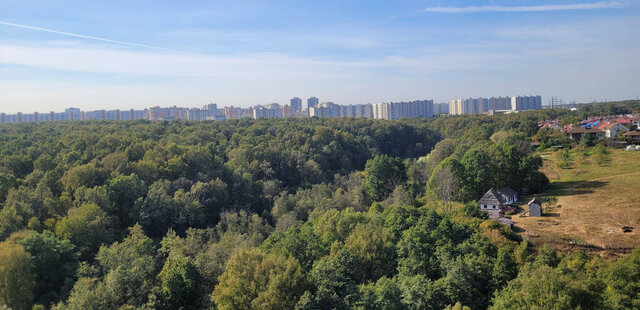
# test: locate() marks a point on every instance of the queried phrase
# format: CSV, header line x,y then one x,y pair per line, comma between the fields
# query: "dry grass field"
x,y
592,207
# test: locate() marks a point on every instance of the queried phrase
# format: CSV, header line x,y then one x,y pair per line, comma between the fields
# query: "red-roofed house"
x,y
611,129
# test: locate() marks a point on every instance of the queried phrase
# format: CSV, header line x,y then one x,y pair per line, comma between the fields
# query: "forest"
x,y
284,214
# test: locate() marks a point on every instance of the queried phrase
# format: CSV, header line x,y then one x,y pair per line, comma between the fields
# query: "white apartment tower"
x,y
325,109
398,110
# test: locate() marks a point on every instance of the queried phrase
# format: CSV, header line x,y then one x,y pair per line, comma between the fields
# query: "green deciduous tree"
x,y
445,182
623,282
382,294
256,280
546,288
180,284
87,227
54,263
479,174
504,268
335,283
382,175
17,281
374,249
129,269
86,175
7,181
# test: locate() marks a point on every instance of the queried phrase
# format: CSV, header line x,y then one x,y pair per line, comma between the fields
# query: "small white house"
x,y
492,200
611,130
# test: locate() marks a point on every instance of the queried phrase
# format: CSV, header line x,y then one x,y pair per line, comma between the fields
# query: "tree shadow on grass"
x,y
576,187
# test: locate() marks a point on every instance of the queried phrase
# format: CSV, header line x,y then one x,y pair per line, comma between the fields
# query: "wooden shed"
x,y
535,207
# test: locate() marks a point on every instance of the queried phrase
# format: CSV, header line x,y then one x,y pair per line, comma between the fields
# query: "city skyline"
x,y
120,55
384,110
296,104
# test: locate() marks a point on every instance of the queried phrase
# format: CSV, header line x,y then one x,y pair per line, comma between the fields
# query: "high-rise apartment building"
x,y
457,107
288,111
296,104
441,108
325,109
311,102
522,103
484,105
272,110
357,110
500,103
94,115
73,114
232,112
398,110
208,112
167,114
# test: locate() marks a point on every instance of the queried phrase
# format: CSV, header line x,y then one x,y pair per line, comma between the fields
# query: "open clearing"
x,y
592,207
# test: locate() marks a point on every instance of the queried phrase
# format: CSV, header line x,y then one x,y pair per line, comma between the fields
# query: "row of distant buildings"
x,y
494,105
315,108
599,127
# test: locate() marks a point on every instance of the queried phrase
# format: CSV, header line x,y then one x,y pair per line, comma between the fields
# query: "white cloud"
x,y
586,60
532,8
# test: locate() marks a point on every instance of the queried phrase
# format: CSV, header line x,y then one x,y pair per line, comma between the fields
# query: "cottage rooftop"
x,y
584,130
492,197
507,191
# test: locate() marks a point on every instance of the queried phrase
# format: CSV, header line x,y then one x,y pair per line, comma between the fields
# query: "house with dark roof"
x,y
576,133
633,136
496,203
492,202
509,194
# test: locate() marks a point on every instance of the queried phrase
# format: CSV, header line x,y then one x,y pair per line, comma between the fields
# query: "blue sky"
x,y
135,54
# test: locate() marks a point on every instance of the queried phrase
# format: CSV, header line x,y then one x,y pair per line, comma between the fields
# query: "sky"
x,y
121,54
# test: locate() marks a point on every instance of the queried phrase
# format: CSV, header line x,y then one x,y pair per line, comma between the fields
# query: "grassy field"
x,y
590,203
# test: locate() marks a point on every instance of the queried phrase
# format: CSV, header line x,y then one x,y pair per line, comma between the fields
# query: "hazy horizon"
x,y
121,55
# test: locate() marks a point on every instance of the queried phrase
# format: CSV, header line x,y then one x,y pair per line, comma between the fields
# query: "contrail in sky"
x,y
82,36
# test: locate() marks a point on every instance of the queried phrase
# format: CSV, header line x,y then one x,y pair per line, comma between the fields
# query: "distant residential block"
x,y
272,110
522,103
311,102
468,106
296,104
493,104
441,108
357,110
168,114
398,110
325,109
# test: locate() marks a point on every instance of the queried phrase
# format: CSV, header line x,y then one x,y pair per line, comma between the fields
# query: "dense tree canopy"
x,y
282,214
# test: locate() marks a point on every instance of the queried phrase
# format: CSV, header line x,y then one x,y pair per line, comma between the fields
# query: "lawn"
x,y
591,205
